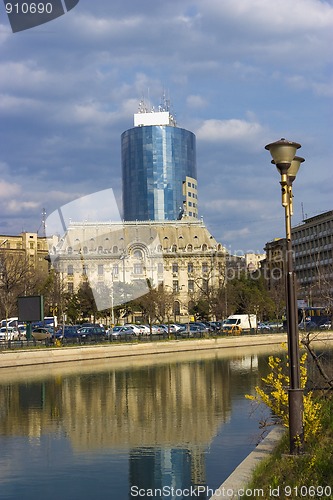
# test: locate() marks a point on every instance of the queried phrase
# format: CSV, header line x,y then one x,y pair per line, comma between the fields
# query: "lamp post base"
x,y
296,431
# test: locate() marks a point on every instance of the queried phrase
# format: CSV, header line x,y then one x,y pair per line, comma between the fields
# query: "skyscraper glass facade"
x,y
156,159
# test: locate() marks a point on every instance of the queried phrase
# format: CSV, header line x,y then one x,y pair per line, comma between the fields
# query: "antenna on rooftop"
x,y
43,225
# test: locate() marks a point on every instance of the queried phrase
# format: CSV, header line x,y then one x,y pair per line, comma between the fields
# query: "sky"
x,y
239,74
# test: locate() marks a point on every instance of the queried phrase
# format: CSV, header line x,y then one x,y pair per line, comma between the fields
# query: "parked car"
x,y
22,332
326,326
8,333
68,333
158,330
214,325
139,329
264,327
276,325
202,326
174,328
191,330
92,333
41,333
122,332
308,325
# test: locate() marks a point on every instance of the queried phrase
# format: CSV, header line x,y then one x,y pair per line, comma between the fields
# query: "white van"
x,y
10,322
244,321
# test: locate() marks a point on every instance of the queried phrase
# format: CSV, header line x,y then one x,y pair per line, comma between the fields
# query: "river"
x,y
118,430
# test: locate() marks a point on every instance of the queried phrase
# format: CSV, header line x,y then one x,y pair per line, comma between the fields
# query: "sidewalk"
x,y
234,486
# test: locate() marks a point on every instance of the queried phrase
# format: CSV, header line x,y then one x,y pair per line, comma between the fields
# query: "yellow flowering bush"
x,y
274,394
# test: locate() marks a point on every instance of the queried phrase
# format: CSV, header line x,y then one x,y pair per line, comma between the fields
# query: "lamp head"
x,y
293,169
283,153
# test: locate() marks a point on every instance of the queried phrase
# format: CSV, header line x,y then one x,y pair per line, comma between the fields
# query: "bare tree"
x,y
16,278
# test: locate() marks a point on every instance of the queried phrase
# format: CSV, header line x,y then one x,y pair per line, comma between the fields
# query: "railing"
x,y
146,337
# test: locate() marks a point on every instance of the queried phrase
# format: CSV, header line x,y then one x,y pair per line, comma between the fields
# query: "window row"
x,y
116,250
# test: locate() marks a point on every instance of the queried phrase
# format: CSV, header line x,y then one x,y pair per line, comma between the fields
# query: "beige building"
x,y
28,245
253,261
118,258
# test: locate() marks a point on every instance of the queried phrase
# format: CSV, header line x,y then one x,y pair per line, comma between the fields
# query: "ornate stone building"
x,y
122,260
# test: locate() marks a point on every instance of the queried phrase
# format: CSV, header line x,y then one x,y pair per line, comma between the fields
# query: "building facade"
x,y
158,169
29,246
313,253
122,260
312,243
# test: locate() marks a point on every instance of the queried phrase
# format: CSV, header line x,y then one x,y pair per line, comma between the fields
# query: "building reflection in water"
x,y
164,415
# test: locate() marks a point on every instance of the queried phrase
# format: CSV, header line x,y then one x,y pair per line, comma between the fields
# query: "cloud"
x,y
8,190
213,130
196,102
17,206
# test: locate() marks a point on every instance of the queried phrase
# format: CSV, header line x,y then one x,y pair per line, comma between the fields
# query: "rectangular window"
x,y
160,268
175,268
70,270
175,285
190,286
115,270
100,269
190,267
85,269
70,287
205,267
190,194
137,269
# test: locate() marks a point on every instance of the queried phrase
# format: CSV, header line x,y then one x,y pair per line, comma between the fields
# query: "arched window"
x,y
115,249
176,308
189,248
137,254
69,250
174,248
204,247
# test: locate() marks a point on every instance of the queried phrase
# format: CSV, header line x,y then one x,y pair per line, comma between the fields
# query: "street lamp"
x,y
283,153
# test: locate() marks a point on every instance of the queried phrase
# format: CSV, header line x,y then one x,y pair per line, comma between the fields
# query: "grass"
x,y
309,475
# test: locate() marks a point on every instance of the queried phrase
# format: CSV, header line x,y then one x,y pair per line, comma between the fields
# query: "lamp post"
x,y
283,153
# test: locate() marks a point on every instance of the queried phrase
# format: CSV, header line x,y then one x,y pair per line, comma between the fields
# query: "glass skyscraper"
x,y
158,169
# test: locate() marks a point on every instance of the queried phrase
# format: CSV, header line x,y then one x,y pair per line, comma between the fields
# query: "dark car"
x,y
89,333
201,326
190,330
68,333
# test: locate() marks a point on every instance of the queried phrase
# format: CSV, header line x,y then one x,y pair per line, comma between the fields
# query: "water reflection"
x,y
159,419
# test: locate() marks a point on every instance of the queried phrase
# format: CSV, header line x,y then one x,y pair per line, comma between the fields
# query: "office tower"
x,y
158,168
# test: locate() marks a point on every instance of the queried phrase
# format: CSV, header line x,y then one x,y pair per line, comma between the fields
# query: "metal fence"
x,y
182,335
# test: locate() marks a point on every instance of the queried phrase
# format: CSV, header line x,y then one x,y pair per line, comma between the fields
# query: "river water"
x,y
117,430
